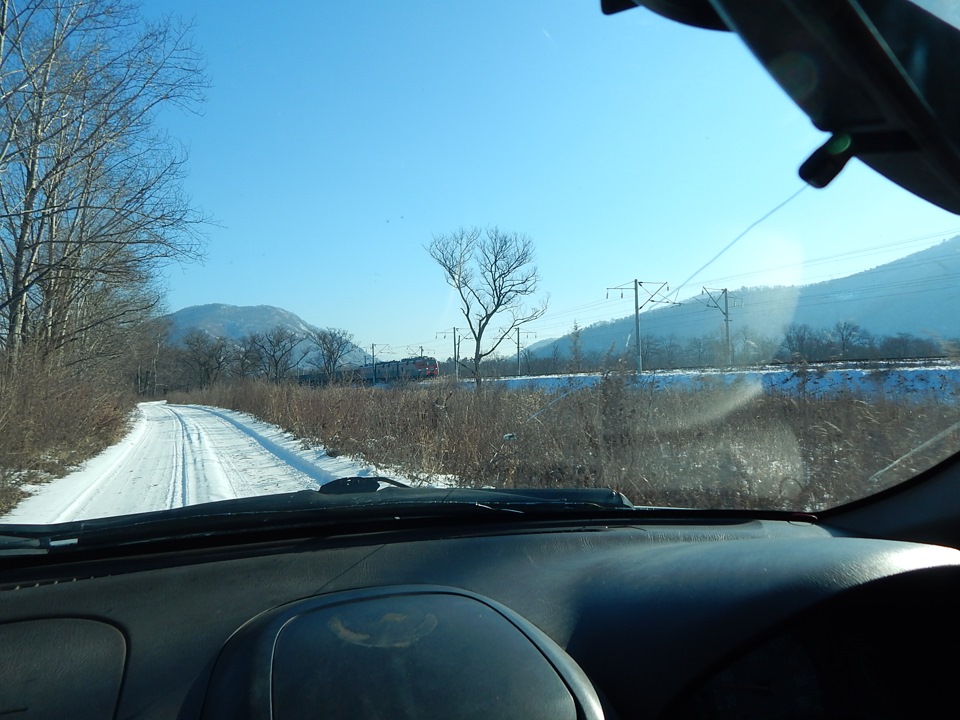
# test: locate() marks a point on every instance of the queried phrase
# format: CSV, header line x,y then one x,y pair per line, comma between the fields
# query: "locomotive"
x,y
411,368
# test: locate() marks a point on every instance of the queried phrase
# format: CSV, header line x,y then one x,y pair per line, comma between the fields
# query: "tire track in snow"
x,y
179,455
175,472
79,503
204,468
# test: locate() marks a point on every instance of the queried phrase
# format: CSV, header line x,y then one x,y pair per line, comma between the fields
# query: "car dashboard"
x,y
666,617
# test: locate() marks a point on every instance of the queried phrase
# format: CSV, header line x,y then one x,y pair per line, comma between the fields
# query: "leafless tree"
x,y
750,346
651,349
493,274
206,357
907,345
281,350
671,352
90,196
847,336
698,350
245,358
332,344
798,340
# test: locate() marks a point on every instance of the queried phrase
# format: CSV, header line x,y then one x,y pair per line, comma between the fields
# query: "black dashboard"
x,y
668,618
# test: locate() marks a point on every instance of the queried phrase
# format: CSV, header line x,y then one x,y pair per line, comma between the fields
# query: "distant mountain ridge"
x,y
917,294
235,322
232,321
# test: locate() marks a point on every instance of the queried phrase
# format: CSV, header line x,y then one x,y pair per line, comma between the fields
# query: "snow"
x,y
178,455
895,381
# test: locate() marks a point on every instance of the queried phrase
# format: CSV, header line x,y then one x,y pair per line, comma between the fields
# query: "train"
x,y
412,368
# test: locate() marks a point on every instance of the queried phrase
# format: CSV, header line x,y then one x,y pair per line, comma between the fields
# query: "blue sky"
x,y
337,138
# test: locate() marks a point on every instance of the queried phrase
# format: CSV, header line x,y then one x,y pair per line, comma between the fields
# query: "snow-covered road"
x,y
178,455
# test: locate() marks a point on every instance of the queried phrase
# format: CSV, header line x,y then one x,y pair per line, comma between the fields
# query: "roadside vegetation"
x,y
51,419
92,206
724,447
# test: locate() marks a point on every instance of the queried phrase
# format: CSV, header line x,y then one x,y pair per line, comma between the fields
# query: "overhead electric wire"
x,y
589,315
863,252
733,242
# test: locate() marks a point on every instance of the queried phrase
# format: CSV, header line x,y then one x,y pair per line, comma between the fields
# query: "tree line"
x,y
92,206
798,342
200,360
91,197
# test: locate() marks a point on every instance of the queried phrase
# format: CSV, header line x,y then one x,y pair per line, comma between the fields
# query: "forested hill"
x,y
918,294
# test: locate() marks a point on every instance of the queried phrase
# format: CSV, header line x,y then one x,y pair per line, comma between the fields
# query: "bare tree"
x,y
245,358
90,200
906,345
798,341
749,346
671,351
148,355
332,344
698,350
206,357
281,350
493,274
650,351
847,336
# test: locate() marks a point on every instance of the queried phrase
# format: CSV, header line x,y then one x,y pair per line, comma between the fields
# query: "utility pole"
x,y
456,351
652,297
636,318
518,352
373,354
725,310
528,334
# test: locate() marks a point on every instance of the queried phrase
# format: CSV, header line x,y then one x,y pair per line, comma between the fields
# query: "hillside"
x,y
236,322
917,294
232,321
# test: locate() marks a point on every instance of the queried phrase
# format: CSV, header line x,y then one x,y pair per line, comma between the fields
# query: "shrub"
x,y
730,446
51,419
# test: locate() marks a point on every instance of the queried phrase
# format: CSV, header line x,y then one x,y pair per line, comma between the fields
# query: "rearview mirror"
x,y
879,75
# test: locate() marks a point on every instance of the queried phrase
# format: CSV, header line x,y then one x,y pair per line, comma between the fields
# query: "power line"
x,y
733,242
652,297
872,250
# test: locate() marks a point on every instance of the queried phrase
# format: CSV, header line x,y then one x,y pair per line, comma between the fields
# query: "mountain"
x,y
233,322
236,322
917,294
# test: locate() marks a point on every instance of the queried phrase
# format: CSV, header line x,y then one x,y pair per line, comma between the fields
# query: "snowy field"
x,y
894,381
177,455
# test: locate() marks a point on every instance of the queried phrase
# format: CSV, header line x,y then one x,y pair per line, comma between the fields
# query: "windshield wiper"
x,y
354,502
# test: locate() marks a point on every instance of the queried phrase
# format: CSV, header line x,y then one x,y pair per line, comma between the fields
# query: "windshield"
x,y
248,250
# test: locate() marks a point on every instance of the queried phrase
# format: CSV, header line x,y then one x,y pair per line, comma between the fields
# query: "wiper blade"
x,y
357,484
318,511
549,497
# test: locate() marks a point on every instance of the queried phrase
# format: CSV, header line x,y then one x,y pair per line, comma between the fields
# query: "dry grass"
x,y
727,446
50,420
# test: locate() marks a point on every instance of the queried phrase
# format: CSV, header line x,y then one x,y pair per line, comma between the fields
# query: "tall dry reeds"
x,y
52,418
729,446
